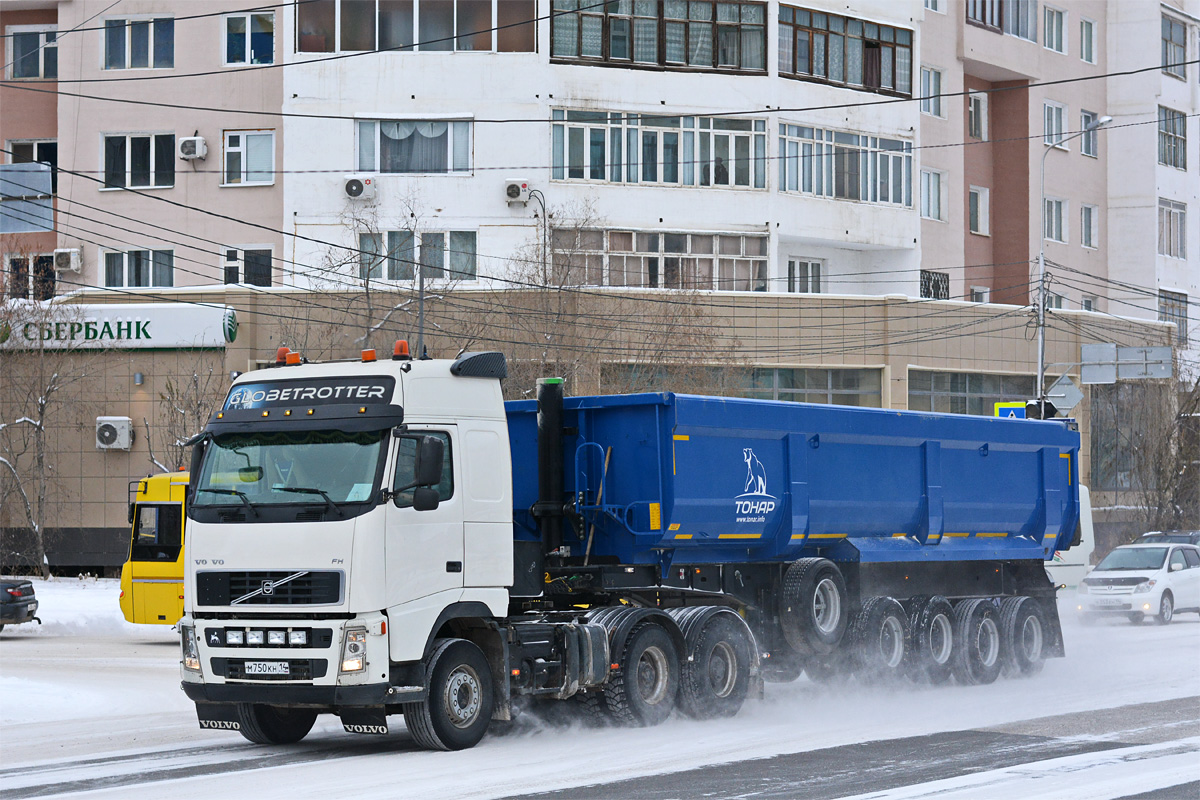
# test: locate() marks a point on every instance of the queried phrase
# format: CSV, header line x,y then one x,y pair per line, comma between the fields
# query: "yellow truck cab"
x,y
152,576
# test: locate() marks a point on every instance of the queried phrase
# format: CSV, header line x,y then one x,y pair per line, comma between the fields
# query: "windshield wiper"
x,y
306,490
239,495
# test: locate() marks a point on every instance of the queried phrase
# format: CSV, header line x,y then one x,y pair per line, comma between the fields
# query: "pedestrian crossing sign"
x,y
1016,410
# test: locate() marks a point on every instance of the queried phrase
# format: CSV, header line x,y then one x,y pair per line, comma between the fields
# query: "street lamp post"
x,y
1095,124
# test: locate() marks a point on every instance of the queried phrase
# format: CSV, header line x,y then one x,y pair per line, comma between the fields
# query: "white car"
x,y
1141,580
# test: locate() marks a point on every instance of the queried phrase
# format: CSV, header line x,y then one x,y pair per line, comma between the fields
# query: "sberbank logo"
x,y
229,326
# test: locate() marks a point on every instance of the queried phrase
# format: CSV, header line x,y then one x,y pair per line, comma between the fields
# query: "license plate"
x,y
1109,601
267,668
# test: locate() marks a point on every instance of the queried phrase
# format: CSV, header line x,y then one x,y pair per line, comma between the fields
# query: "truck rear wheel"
x,y
977,656
458,708
813,606
931,640
645,690
274,724
879,635
715,681
1023,634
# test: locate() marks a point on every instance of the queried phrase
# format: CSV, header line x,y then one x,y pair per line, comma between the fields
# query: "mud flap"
x,y
368,719
218,716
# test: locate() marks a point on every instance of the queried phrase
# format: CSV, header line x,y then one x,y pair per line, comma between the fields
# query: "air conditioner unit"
x,y
360,187
191,147
516,191
114,433
66,260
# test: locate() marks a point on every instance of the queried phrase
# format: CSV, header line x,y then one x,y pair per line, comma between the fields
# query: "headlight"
x,y
254,637
1144,586
235,637
278,638
191,654
297,638
354,650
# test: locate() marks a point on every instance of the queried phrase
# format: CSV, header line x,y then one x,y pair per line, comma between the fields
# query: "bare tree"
x,y
184,406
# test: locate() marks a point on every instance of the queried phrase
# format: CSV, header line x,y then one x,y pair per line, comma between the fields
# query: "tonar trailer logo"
x,y
754,504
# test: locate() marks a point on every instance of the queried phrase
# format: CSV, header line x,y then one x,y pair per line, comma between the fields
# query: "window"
x,y
1053,116
1172,234
980,294
1172,307
1089,143
31,277
32,51
985,13
828,48
249,158
675,33
1125,416
680,151
1054,300
931,91
250,266
328,26
139,159
1054,30
1088,303
845,166
1174,47
931,195
803,275
139,268
408,146
1172,138
977,115
934,5
965,392
139,43
441,254
1089,222
406,462
935,285
1087,40
843,387
978,211
1054,220
1020,18
44,151
660,260
250,39
158,532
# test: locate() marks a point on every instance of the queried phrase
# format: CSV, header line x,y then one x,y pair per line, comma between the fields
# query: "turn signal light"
x,y
293,359
368,356
281,356
400,351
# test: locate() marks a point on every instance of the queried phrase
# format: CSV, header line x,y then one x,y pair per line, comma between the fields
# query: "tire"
x,y
645,689
879,637
715,681
593,709
977,657
1023,634
458,709
274,724
813,606
931,641
1166,609
1137,617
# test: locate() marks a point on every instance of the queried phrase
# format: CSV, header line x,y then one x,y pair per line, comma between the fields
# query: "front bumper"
x,y
1142,603
371,694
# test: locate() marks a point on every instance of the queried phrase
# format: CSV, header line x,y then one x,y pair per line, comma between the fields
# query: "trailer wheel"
x,y
1023,634
274,724
714,683
458,709
878,635
644,691
977,656
931,640
813,608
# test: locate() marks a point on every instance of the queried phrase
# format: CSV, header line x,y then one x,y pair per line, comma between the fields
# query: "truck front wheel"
x,y
274,724
458,708
645,690
717,678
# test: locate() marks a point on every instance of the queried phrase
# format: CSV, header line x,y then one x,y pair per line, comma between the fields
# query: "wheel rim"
x,y
653,675
1166,609
987,643
941,639
1031,638
463,696
827,606
891,642
722,669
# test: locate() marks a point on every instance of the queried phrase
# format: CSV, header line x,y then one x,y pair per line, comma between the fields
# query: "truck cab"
x,y
152,575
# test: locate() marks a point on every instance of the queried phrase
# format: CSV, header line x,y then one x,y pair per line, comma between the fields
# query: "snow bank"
x,y
82,607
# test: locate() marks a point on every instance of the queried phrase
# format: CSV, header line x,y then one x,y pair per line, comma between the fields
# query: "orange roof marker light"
x,y
293,359
281,356
400,351
368,356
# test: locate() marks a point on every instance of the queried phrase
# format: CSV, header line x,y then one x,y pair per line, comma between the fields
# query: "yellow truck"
x,y
152,576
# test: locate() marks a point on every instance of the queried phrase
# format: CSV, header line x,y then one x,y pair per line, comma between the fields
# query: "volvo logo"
x,y
268,587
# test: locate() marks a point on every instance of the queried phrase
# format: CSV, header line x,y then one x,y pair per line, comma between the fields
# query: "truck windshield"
x,y
1134,558
279,468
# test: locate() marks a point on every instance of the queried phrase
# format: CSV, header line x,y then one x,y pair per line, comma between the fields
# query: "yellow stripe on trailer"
x,y
992,535
683,536
957,535
828,535
740,536
899,535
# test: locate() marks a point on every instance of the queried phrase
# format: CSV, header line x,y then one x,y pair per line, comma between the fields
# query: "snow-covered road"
x,y
89,703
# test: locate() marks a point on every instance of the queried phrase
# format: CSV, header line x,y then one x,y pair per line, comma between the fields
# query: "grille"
x,y
299,669
309,588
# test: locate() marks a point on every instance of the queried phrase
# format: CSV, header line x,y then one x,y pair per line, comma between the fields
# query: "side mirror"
x,y
425,498
428,467
131,513
1175,567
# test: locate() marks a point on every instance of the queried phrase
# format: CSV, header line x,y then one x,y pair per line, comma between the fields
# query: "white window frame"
x,y
931,94
1088,303
813,278
1054,112
1172,228
1054,300
1020,19
239,252
30,293
375,257
1087,40
929,179
981,294
151,283
43,45
935,6
450,120
1061,32
1054,220
978,100
128,19
1089,143
226,149
1178,70
809,165
1171,142
247,17
128,160
983,210
1089,226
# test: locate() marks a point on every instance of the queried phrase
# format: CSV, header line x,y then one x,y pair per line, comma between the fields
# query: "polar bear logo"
x,y
756,474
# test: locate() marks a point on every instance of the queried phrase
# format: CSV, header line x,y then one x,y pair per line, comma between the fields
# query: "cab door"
x,y
154,560
424,549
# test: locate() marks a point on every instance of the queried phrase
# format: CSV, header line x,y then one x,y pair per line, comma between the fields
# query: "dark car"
x,y
1170,537
17,603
